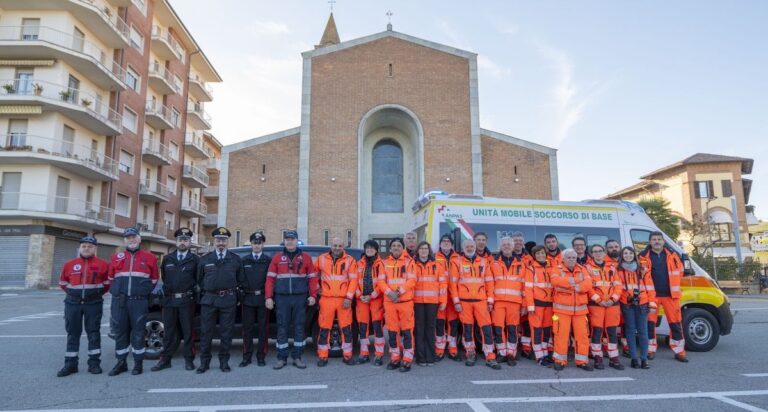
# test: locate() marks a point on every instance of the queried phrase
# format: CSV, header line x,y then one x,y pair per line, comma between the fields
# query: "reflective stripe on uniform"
x,y
70,354
341,278
513,292
566,307
136,274
426,293
86,286
427,279
94,352
471,280
290,275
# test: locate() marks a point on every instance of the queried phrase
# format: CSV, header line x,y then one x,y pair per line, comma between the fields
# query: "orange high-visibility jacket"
x,y
538,286
605,281
556,259
337,279
508,282
572,289
431,281
640,280
394,276
674,268
471,279
376,268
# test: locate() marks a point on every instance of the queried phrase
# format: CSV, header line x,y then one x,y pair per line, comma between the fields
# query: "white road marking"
x,y
471,402
478,406
238,389
755,375
738,404
562,380
26,318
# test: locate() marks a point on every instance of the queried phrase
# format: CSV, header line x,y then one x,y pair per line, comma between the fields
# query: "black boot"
x,y
164,363
67,370
204,366
634,364
644,365
599,363
189,364
224,365
138,367
120,367
260,360
245,362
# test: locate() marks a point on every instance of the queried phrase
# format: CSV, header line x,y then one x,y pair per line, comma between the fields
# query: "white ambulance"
x,y
706,310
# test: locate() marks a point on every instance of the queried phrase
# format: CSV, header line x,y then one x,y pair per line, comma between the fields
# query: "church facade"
x,y
384,118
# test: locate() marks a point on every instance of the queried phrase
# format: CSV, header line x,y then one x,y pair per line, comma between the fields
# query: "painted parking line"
x,y
478,404
555,380
238,389
755,375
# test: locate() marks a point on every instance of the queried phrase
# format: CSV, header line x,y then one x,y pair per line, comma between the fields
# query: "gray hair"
x,y
505,239
467,241
517,234
569,252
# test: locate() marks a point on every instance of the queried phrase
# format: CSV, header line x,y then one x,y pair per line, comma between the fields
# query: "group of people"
x,y
530,298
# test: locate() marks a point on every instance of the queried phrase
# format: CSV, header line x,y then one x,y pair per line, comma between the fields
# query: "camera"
x,y
635,299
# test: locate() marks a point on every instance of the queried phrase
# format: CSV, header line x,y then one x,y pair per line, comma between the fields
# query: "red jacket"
x,y
86,279
133,274
296,277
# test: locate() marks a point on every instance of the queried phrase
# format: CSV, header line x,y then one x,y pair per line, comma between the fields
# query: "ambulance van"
x,y
706,309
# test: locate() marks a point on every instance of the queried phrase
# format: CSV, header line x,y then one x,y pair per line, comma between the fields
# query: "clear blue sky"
x,y
620,88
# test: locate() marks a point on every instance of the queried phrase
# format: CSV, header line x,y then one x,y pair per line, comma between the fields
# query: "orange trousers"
x,y
330,308
448,321
400,320
561,326
674,315
477,312
604,321
369,319
540,321
506,320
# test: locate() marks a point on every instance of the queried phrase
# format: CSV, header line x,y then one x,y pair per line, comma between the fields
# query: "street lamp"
x,y
709,232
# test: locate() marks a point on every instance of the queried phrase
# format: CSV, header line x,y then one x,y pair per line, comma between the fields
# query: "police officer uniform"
x,y
253,306
179,275
133,274
85,280
219,273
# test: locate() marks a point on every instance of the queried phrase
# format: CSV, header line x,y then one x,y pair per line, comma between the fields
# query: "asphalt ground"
x,y
733,376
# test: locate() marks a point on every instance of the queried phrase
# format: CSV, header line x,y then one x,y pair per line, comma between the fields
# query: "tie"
x,y
221,256
181,257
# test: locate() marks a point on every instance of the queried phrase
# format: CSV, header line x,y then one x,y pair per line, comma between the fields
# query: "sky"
x,y
620,88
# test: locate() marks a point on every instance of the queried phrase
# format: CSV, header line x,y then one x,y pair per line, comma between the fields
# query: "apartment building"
x,y
101,127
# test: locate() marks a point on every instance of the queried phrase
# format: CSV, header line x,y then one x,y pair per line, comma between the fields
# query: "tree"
x,y
658,210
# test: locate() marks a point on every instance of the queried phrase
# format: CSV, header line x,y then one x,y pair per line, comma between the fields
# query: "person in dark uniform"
x,y
219,274
85,281
134,274
291,286
179,276
254,310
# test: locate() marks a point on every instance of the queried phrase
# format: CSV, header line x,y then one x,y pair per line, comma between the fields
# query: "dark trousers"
x,y
426,322
129,315
291,309
255,317
636,330
208,317
177,321
75,316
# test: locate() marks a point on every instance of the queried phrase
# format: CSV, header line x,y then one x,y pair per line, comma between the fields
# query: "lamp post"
x,y
709,232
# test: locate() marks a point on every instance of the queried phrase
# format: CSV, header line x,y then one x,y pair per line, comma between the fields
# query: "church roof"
x,y
387,33
330,35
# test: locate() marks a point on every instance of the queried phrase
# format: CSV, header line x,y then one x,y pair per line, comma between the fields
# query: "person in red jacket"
x,y
134,274
85,280
291,286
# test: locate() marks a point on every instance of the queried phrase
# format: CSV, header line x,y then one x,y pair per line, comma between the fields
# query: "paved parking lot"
x,y
734,376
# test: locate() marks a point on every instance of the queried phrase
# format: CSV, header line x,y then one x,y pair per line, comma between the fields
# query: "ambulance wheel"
x,y
702,332
154,336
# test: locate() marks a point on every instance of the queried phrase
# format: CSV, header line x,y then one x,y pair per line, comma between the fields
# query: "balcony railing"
x,y
159,229
117,22
193,172
190,203
75,153
211,219
61,95
200,88
49,205
196,140
71,43
155,108
154,188
157,69
165,36
197,109
153,147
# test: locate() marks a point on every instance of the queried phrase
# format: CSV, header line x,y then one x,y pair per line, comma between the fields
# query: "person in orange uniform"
x,y
369,308
572,286
338,283
637,298
448,328
538,300
521,254
481,244
397,285
430,294
604,311
554,255
666,269
508,285
471,288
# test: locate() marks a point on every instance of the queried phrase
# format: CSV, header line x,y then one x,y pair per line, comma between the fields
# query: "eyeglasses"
x,y
594,252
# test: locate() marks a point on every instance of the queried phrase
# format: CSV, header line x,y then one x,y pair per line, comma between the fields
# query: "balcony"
x,y
192,208
159,116
213,164
211,219
200,90
162,80
68,210
82,107
120,3
165,46
194,145
154,230
197,117
211,192
42,42
156,153
21,148
154,191
94,14
194,177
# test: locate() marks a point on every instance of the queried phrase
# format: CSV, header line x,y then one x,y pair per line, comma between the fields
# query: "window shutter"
x,y
696,190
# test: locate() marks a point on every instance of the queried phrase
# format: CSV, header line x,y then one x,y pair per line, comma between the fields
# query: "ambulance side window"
x,y
639,239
